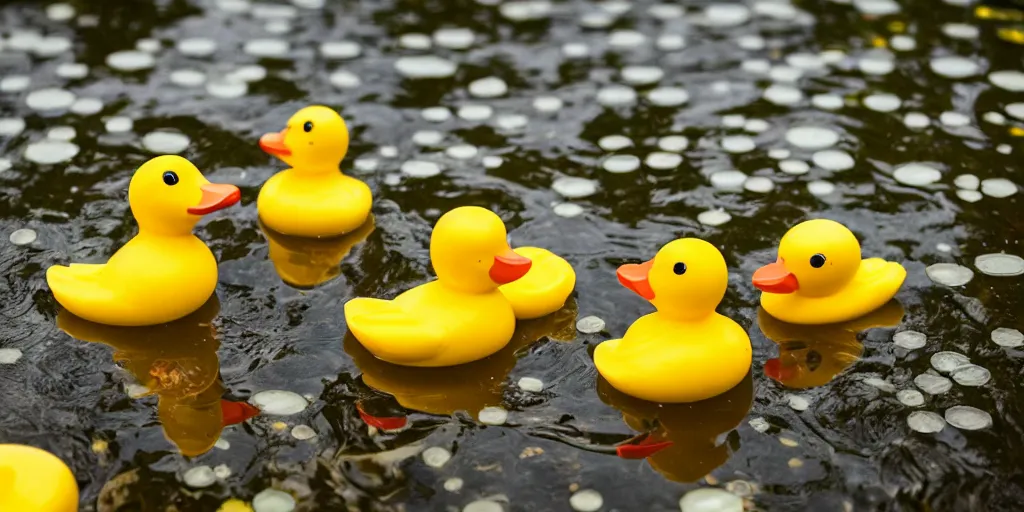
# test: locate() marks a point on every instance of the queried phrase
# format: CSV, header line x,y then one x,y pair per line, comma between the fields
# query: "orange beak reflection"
x,y
774,278
273,143
509,266
216,196
775,370
634,277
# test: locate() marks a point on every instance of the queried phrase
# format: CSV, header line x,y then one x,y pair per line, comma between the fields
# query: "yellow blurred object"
x,y
1013,35
1017,131
688,432
812,355
897,27
234,505
34,480
307,262
988,13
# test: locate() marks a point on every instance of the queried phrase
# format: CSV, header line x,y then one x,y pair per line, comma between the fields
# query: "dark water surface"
x,y
851,449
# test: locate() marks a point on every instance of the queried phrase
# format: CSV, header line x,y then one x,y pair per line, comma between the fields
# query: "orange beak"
x,y
273,143
774,278
216,196
509,266
634,277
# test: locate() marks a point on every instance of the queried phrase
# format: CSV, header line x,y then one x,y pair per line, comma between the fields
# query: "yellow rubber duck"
x,y
468,387
312,198
462,316
812,355
544,289
165,272
178,363
35,480
820,278
686,439
685,352
307,262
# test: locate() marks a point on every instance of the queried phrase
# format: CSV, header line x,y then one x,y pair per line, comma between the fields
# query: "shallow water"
x,y
851,448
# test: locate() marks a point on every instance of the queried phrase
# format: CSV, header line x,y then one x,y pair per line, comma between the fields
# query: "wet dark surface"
x,y
851,448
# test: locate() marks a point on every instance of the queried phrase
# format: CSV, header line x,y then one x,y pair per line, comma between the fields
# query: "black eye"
x,y
170,178
679,268
308,126
818,260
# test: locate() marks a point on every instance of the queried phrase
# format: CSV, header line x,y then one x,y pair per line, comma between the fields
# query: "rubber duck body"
x,y
684,352
820,278
457,318
35,480
163,273
312,198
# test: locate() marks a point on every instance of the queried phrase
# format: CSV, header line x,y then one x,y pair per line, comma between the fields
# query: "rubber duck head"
x,y
315,140
168,195
816,258
686,279
469,251
34,479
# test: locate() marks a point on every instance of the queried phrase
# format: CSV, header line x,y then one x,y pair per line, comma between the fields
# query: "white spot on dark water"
x,y
710,499
11,355
947,362
949,274
910,340
916,174
49,151
910,397
165,142
933,384
587,500
574,188
621,164
713,218
420,169
590,325
49,99
279,403
530,384
199,477
425,66
965,417
303,432
812,137
492,416
1000,264
971,375
130,60
998,187
925,422
1009,80
1006,337
436,457
272,500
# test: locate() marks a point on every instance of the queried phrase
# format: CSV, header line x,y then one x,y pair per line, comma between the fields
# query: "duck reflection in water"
x,y
307,262
812,355
468,387
178,363
686,441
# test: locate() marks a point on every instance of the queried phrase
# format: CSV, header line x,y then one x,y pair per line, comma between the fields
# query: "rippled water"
x,y
869,113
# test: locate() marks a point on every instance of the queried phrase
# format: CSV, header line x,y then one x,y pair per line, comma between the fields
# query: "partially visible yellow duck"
x,y
461,316
685,352
307,262
178,363
35,480
820,278
165,272
812,355
312,198
468,387
684,438
544,289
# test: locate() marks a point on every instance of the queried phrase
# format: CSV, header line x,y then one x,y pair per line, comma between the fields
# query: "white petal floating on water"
x,y
187,77
530,385
267,47
759,184
881,384
882,102
427,138
567,210
967,182
130,60
798,403
946,361
925,422
165,142
812,137
1004,149
877,62
759,424
965,417
279,402
1009,80
197,46
61,133
728,180
51,46
710,499
614,142
933,384
794,167
199,477
49,99
970,196
668,96
821,188
998,187
511,122
435,456
23,236
11,355
1006,337
148,46
11,126
626,39
916,120
910,397
833,160
994,118
784,95
548,104
72,70
15,83
436,114
954,119
1016,110
785,74
483,505
955,67
272,500
303,432
86,106
877,7
756,66
492,416
227,89
670,42
415,41
738,144
756,126
587,500
971,375
949,274
48,152
663,161
1000,264
590,325
916,174
726,15
475,112
492,161
673,143
60,12
454,38
713,217
425,66
222,471
960,30
733,121
621,164
910,340
340,49
616,95
343,79
462,151
575,50
453,484
490,87
420,169
642,75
